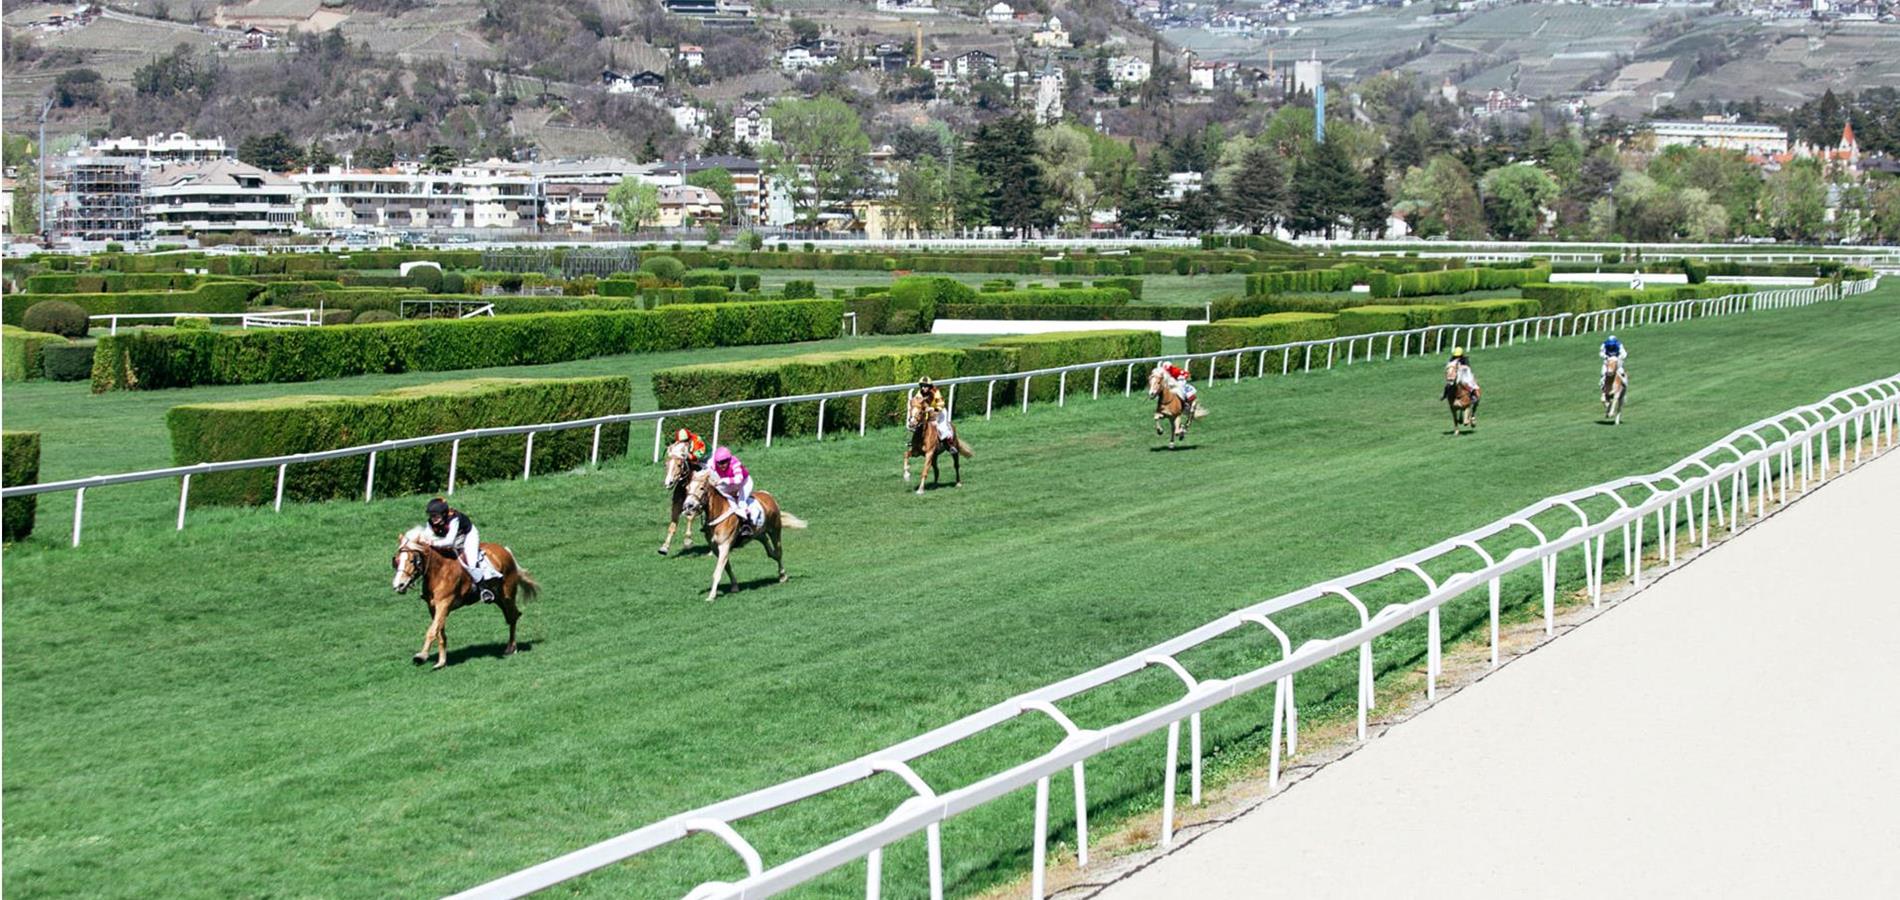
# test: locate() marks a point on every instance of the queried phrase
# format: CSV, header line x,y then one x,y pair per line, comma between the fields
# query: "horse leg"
x,y
438,635
512,613
686,538
930,459
776,549
1158,418
956,464
670,528
719,568
907,452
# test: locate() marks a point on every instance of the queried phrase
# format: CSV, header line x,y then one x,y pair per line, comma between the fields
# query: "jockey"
x,y
1614,347
734,483
1459,370
1182,388
450,529
695,447
938,411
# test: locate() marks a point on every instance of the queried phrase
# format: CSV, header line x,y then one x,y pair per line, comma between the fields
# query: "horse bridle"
x,y
420,568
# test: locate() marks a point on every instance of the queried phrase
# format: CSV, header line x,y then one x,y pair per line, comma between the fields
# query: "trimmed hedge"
x,y
1067,348
110,282
209,297
1454,281
1390,317
67,362
1308,281
19,464
1273,328
1566,298
1147,312
21,350
1056,297
1487,312
166,357
284,425
914,299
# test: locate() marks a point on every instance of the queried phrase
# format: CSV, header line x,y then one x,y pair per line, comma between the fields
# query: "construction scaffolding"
x,y
99,198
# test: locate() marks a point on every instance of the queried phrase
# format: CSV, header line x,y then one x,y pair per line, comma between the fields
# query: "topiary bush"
x,y
372,316
20,352
19,464
800,289
428,278
665,268
56,317
192,323
67,362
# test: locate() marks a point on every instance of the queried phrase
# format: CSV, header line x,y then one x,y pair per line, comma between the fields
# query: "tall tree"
x,y
319,155
1795,201
1143,212
1256,192
818,144
1374,204
1004,155
1514,199
440,158
376,156
921,195
1439,198
635,203
1325,189
719,181
274,152
1063,156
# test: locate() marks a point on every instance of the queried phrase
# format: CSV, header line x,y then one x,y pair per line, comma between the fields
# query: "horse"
x,y
1615,385
680,469
925,441
1462,400
446,586
724,531
1169,406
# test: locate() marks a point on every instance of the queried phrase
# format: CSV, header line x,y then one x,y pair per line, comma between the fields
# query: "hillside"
x,y
485,77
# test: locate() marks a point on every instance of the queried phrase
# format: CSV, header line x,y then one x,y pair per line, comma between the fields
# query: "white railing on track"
x,y
278,319
1796,449
1307,354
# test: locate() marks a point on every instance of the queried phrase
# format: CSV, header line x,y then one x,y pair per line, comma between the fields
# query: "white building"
x,y
913,7
1049,96
220,196
684,206
157,148
1051,35
1129,70
751,125
692,56
691,119
574,192
493,194
803,57
1759,140
1000,14
1181,184
1308,74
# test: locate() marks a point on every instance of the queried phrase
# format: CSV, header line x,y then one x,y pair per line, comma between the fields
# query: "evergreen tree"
x,y
1142,213
1256,198
1374,206
1004,154
1326,189
440,158
272,152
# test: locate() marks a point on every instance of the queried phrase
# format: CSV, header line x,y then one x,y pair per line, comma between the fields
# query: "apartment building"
x,y
492,194
221,196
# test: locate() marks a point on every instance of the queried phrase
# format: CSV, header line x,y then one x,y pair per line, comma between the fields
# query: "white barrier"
x,y
1761,458
301,318
1301,356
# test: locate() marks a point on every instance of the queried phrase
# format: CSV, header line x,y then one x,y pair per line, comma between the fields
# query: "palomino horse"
x,y
1462,399
926,442
723,523
1616,384
1169,406
446,586
680,469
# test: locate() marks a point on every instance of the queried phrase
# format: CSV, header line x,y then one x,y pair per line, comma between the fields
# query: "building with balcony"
x,y
1749,138
493,194
164,148
218,197
97,198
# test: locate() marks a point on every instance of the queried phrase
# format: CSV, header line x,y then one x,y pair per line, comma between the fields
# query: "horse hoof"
x,y
418,659
784,578
438,666
662,551
510,651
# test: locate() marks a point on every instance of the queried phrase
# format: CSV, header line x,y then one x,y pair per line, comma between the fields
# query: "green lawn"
x,y
230,710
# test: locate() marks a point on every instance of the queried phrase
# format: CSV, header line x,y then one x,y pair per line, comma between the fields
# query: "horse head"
x,y
1157,381
410,561
915,417
679,463
696,487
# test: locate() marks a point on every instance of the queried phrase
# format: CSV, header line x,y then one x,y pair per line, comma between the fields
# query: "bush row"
x,y
1135,312
710,383
21,352
1454,281
285,425
209,297
110,282
19,464
169,357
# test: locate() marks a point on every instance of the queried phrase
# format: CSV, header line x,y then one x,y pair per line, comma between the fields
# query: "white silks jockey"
x,y
1178,378
450,529
733,482
1613,347
935,408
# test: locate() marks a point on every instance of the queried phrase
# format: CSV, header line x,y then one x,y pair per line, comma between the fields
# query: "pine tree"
x,y
1004,154
1257,197
1326,188
1374,206
1143,211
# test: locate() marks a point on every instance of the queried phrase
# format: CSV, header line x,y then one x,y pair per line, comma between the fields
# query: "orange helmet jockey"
x,y
683,436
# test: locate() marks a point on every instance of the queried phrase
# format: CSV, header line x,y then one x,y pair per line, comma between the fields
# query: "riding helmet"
x,y
438,508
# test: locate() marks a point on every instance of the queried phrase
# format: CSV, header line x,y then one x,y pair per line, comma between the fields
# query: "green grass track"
x,y
230,710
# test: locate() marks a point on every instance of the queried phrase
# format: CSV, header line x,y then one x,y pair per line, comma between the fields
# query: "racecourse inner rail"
x,y
1299,355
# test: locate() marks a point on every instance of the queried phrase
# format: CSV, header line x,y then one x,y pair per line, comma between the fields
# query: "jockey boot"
x,y
489,590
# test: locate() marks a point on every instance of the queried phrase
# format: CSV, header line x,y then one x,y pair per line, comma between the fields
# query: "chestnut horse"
x,y
927,443
680,469
724,525
1462,399
446,586
1615,385
1169,406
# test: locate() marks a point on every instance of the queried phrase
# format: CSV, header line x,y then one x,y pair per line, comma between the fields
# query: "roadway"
x,y
1723,733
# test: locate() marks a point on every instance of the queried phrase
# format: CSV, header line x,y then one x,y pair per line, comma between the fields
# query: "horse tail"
x,y
963,450
530,589
790,521
1200,410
